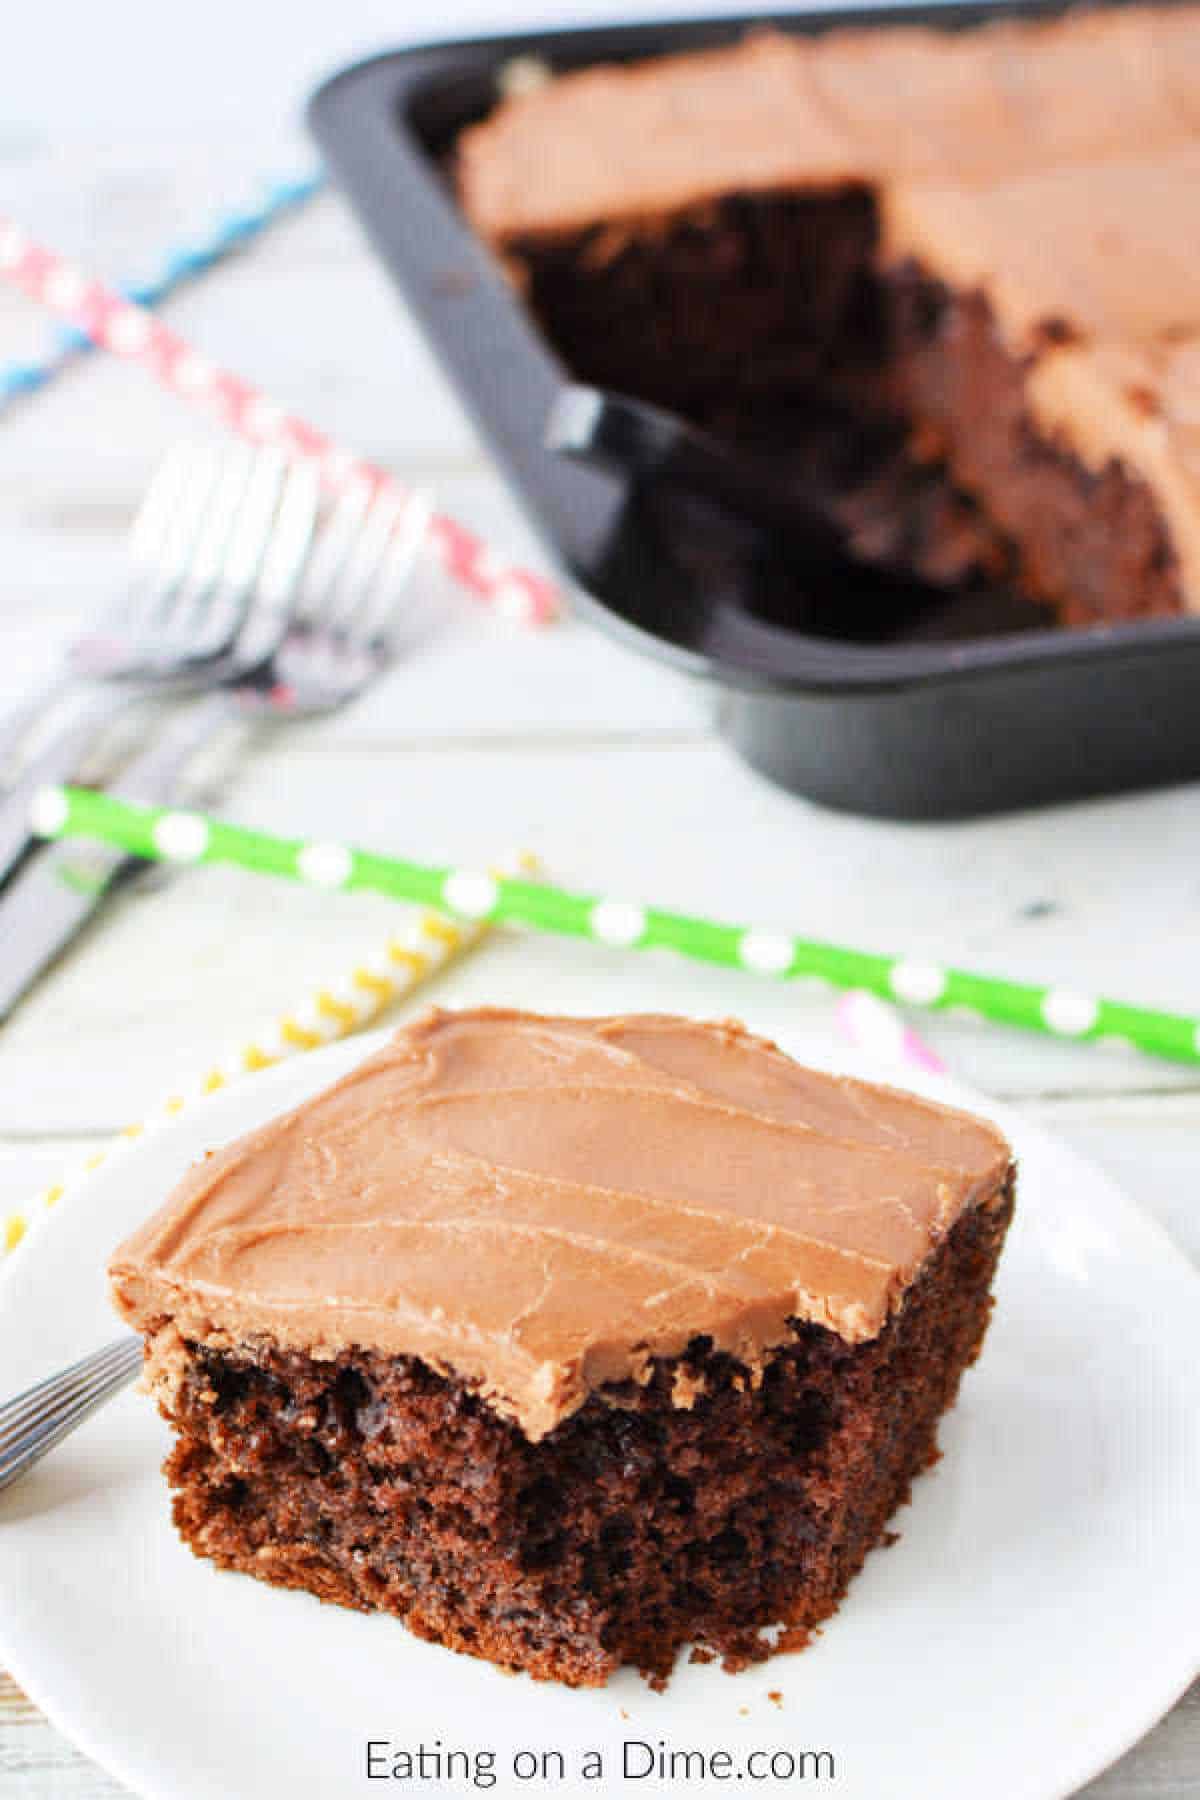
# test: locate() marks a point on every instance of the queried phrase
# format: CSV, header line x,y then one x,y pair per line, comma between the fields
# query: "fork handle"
x,y
49,903
17,724
62,757
34,1421
152,777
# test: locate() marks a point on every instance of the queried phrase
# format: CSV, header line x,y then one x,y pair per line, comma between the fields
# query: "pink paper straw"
x,y
871,1024
133,332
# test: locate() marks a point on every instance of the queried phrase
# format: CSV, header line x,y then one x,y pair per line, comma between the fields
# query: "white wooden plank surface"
x,y
484,736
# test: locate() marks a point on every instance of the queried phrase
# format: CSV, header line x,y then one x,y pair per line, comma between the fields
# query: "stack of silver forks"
x,y
246,599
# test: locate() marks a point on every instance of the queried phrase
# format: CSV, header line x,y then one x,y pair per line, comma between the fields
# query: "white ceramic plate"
x,y
1037,1616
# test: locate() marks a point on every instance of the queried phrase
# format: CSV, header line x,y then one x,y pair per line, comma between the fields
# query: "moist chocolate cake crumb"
x,y
631,1531
1091,543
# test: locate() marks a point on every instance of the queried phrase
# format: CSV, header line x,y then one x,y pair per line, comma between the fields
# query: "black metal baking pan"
x,y
975,711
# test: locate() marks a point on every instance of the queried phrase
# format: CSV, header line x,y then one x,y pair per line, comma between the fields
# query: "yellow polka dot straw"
x,y
421,945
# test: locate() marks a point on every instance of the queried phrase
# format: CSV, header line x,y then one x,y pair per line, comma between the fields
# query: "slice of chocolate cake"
x,y
979,244
569,1341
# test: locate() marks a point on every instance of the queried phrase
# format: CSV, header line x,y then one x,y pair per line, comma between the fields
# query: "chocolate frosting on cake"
x,y
542,1205
898,103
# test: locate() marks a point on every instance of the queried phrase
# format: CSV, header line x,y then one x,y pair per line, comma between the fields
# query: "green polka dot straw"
x,y
193,838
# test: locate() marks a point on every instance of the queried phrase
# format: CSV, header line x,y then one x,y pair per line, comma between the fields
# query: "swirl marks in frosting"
x,y
541,1205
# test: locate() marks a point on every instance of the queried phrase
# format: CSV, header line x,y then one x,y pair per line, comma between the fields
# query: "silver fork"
x,y
34,1421
182,527
338,642
198,549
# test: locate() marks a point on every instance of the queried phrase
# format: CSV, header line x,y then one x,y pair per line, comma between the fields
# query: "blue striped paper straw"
x,y
231,231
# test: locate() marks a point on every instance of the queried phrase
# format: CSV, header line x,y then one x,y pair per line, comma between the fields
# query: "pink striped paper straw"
x,y
871,1024
133,332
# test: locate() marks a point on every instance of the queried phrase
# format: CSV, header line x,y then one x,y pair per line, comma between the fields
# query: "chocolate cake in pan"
x,y
972,254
